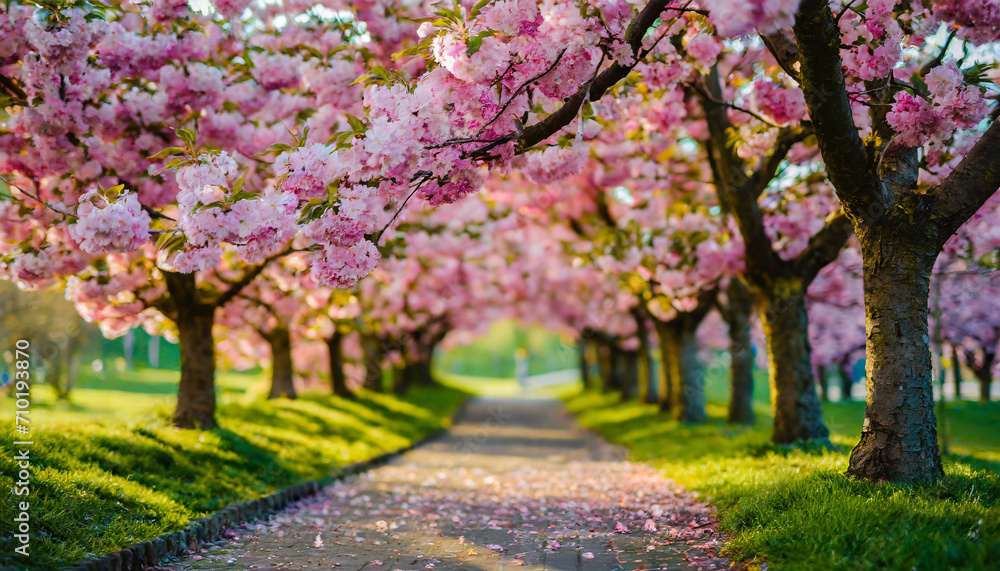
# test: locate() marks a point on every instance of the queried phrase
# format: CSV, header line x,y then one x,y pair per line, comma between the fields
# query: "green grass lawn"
x,y
795,509
109,471
128,394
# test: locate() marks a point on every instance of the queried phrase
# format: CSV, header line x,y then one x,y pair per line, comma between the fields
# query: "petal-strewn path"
x,y
514,483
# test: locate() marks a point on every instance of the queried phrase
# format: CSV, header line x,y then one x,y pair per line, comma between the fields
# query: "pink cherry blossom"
x,y
117,226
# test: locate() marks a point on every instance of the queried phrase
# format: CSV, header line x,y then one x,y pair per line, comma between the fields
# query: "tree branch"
x,y
787,138
736,190
824,247
596,89
247,279
972,183
849,166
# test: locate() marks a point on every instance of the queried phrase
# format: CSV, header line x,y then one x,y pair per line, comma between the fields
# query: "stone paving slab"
x,y
515,483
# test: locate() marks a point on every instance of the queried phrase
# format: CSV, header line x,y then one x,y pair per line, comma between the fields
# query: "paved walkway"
x,y
514,483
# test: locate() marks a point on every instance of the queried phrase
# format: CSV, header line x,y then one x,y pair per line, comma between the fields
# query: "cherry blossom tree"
x,y
898,116
135,161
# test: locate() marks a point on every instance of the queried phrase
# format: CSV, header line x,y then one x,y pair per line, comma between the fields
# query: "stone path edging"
x,y
203,531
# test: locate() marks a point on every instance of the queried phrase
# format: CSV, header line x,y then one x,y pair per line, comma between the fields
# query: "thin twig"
x,y
426,177
36,198
518,91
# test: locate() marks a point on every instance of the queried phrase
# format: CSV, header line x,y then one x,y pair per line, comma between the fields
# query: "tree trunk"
x,y
401,378
899,437
54,374
846,381
338,380
583,363
371,346
983,373
664,336
794,403
282,371
422,376
737,314
824,386
685,382
593,348
72,371
644,375
956,372
629,374
196,395
615,380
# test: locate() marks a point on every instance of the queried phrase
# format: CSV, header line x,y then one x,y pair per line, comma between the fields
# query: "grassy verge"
x,y
794,509
102,485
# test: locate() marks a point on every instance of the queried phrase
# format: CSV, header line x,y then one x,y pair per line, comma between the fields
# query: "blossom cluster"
x,y
738,18
874,39
116,226
951,105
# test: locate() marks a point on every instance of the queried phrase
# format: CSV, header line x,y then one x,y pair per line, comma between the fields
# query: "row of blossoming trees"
x,y
628,171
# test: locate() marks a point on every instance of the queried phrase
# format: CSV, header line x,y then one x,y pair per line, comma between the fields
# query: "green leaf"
x,y
278,148
238,185
168,152
473,44
357,125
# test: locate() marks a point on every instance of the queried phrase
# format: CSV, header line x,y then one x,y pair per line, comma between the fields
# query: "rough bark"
x,y
338,380
196,395
901,229
899,436
282,370
737,313
794,403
